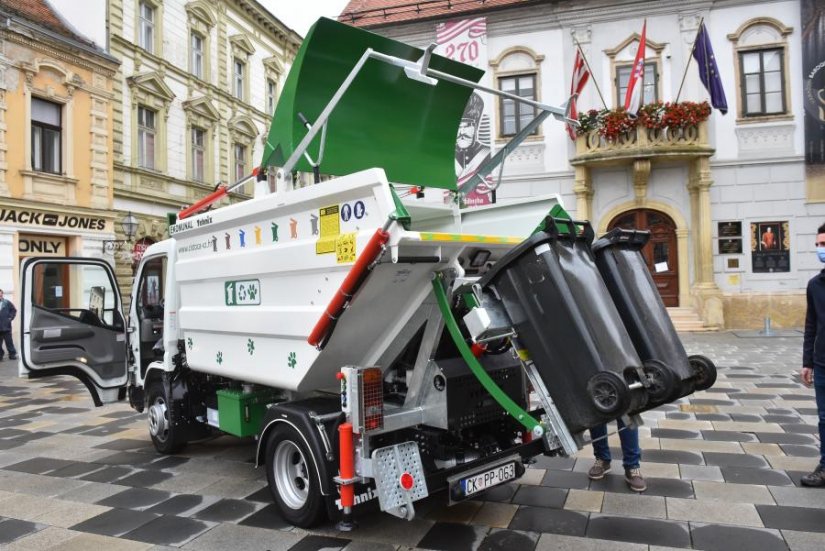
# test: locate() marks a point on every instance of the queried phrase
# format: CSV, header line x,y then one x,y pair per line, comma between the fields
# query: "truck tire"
x,y
167,435
293,478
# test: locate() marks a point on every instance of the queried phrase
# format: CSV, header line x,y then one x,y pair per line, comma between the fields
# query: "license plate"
x,y
487,479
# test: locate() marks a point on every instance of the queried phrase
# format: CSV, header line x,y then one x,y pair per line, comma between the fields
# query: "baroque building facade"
x,y
197,87
732,214
56,139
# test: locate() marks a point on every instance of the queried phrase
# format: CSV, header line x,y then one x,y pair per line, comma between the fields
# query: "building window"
x,y
146,137
238,73
515,115
198,154
147,27
196,59
762,78
46,132
271,96
240,161
651,82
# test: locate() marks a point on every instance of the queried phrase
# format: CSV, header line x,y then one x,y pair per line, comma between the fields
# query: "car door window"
x,y
83,292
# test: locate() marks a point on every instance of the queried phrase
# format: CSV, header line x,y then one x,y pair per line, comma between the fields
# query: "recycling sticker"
x,y
242,293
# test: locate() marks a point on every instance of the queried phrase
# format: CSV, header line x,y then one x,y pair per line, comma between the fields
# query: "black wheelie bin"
x,y
565,320
623,268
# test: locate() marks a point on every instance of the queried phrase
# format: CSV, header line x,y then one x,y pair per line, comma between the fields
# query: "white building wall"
x,y
758,168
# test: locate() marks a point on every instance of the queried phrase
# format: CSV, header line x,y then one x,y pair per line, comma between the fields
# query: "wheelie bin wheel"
x,y
608,392
704,370
662,381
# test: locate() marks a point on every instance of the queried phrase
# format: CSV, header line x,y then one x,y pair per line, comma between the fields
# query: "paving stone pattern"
x,y
722,466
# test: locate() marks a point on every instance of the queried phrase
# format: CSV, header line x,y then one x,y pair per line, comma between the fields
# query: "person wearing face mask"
x,y
813,355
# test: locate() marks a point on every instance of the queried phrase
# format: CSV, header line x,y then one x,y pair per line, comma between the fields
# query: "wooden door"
x,y
660,253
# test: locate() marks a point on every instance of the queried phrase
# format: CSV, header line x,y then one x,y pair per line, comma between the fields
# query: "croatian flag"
x,y
635,86
580,77
708,71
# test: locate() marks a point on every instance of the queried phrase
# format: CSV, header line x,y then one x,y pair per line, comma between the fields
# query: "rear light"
x,y
372,398
406,481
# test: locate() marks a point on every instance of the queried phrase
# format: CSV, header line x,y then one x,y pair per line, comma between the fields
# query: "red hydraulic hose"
x,y
206,201
216,195
351,283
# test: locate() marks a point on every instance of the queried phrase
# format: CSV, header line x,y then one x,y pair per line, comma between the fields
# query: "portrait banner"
x,y
770,247
813,66
466,41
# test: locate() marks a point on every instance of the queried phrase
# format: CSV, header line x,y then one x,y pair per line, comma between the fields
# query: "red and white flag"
x,y
635,86
580,77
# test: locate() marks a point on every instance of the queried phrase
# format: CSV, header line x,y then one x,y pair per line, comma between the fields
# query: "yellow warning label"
x,y
330,229
523,354
345,248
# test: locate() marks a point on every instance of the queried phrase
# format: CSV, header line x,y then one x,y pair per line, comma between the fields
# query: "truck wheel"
x,y
167,436
662,381
293,479
608,393
704,370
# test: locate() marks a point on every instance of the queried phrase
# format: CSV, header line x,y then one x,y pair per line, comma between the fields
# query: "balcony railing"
x,y
685,142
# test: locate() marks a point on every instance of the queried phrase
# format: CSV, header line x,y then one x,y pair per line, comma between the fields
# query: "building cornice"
x,y
76,58
263,18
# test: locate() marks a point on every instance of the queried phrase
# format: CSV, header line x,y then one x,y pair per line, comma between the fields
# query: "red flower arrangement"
x,y
612,123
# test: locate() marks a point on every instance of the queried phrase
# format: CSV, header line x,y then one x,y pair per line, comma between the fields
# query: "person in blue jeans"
x,y
631,455
813,355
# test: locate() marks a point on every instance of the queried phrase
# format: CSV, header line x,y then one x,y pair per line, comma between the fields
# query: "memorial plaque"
x,y
770,247
730,229
730,246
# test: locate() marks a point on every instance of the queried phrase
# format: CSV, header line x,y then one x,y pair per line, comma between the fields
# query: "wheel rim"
x,y
158,419
606,395
291,474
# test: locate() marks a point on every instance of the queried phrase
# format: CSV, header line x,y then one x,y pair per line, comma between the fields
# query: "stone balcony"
x,y
686,143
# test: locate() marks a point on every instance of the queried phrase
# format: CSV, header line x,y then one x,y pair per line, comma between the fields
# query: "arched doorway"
x,y
661,253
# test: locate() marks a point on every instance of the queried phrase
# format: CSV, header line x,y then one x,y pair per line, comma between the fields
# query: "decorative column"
x,y
707,294
583,188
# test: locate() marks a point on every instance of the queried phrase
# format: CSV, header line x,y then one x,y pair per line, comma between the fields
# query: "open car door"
x,y
72,324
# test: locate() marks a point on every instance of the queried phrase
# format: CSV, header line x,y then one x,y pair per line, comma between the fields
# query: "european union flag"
x,y
708,71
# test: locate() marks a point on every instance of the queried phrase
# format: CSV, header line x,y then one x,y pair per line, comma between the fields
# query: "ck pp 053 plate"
x,y
468,484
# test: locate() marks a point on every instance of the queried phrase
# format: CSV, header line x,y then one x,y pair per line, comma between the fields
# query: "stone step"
x,y
687,320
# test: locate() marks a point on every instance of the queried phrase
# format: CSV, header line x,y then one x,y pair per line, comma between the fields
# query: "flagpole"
x,y
587,64
690,56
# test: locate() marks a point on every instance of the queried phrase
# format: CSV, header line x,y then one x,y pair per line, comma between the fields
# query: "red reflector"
x,y
407,481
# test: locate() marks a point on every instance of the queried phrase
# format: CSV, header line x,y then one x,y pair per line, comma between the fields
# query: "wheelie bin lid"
x,y
555,229
633,240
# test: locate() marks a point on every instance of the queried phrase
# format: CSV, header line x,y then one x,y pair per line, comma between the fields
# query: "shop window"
x,y
46,119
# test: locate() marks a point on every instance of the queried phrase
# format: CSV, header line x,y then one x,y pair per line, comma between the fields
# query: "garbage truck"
x,y
376,352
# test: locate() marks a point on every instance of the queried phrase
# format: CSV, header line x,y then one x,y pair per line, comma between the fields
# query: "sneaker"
x,y
816,479
599,469
634,479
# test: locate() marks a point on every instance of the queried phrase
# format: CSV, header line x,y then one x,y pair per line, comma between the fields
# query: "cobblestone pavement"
x,y
722,467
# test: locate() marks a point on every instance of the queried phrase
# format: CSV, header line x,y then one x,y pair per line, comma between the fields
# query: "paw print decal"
x,y
252,292
189,343
292,361
250,346
219,358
